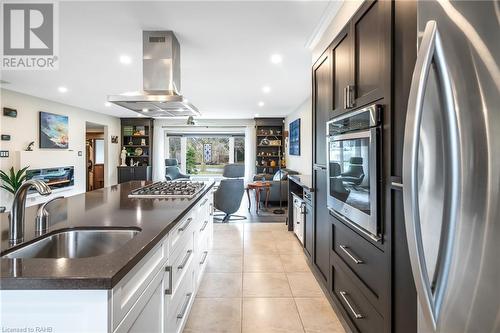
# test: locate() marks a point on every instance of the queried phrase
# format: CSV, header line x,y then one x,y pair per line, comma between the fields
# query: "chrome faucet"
x,y
42,217
16,223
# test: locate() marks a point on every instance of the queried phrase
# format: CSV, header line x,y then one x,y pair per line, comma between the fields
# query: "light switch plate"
x,y
4,153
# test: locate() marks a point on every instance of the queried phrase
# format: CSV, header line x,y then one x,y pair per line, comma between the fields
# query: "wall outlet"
x,y
4,153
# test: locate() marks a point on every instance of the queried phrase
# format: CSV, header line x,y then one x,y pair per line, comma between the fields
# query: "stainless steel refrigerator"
x,y
451,167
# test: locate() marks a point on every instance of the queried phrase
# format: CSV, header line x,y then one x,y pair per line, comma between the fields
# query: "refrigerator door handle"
x,y
430,51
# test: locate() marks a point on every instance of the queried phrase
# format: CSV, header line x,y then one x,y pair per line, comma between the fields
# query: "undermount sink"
x,y
76,244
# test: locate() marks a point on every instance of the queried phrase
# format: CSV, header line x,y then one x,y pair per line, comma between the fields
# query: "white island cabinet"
x,y
155,296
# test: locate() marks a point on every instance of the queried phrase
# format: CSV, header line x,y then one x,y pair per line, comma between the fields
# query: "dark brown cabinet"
x,y
126,173
371,42
341,53
308,229
361,58
322,226
322,105
358,69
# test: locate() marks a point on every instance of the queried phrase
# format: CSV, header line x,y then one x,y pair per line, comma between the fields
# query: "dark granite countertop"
x,y
302,180
108,207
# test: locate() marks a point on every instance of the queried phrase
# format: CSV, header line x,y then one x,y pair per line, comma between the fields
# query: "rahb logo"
x,y
30,35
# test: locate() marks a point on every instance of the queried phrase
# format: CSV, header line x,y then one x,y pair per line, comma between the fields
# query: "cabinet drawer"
x,y
365,260
147,312
128,290
181,232
180,304
363,315
181,263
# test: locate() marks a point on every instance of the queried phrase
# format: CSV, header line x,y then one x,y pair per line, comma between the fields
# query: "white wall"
x,y
302,163
24,129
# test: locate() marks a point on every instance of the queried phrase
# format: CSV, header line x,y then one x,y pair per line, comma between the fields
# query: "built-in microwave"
x,y
353,168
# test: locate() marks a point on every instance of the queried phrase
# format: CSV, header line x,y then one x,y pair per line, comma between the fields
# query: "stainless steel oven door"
x,y
353,178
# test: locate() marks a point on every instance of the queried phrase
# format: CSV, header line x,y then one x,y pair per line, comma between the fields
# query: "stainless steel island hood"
x,y
161,76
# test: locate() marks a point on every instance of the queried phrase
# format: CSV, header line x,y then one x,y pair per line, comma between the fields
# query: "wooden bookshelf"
x,y
137,134
269,155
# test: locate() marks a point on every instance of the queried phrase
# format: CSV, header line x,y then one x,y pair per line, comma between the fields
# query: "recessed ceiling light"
x,y
261,104
276,58
62,89
125,59
145,110
266,89
140,115
107,104
256,115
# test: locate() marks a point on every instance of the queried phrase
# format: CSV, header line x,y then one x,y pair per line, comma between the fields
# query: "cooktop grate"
x,y
168,189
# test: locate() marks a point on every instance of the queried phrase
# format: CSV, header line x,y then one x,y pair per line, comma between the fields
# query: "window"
x,y
174,148
206,155
239,149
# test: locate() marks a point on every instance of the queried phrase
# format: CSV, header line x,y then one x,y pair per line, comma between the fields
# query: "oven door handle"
x,y
319,167
363,134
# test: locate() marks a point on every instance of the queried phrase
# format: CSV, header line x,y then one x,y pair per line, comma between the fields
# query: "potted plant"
x,y
13,180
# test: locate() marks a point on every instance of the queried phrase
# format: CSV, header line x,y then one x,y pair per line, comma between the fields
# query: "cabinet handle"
x,y
205,255
186,225
345,97
356,314
204,226
303,208
204,202
185,306
211,209
185,260
346,251
349,96
168,291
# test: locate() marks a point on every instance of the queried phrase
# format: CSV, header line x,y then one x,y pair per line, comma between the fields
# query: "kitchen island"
x,y
146,285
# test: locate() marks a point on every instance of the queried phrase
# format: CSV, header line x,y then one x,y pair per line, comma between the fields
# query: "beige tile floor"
x,y
257,280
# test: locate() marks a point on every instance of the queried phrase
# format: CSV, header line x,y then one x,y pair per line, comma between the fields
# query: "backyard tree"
x,y
191,160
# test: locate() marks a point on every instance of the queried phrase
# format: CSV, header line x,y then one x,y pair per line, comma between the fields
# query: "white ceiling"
x,y
225,54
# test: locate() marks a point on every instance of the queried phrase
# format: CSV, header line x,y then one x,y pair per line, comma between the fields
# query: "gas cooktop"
x,y
168,189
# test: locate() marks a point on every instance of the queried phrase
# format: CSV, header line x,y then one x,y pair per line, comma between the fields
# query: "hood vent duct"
x,y
161,80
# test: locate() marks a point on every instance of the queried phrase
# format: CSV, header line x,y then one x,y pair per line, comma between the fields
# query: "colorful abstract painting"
x,y
53,131
295,138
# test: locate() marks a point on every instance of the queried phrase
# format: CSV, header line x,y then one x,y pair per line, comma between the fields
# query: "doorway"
x,y
95,152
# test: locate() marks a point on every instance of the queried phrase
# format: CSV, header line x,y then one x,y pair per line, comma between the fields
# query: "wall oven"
x,y
353,168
